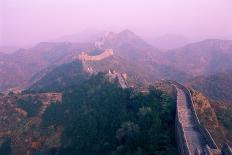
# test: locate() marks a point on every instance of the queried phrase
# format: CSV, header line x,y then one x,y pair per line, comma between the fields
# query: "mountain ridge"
x,y
130,51
205,57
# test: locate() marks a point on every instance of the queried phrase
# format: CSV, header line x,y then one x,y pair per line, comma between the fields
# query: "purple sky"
x,y
24,22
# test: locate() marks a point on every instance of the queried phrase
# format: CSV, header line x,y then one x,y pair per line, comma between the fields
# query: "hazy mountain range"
x,y
132,55
8,49
67,103
216,87
168,41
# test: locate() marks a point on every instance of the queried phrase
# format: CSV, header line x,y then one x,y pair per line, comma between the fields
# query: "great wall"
x,y
112,74
85,57
121,78
192,138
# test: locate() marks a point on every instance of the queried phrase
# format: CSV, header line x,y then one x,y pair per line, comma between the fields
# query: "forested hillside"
x,y
61,78
96,116
217,87
202,58
99,117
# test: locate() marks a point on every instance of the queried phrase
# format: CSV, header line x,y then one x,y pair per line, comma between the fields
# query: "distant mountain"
x,y
8,49
60,78
32,64
81,37
131,55
216,87
168,41
9,71
129,46
149,63
18,68
205,57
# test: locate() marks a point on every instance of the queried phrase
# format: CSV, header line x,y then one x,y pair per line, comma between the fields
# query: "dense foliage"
x,y
225,116
5,147
216,87
218,90
101,118
30,105
60,78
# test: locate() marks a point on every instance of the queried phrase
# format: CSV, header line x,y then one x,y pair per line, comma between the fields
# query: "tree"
x,y
11,93
5,148
99,117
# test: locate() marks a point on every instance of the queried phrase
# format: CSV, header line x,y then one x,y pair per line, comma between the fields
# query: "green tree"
x,y
99,117
5,147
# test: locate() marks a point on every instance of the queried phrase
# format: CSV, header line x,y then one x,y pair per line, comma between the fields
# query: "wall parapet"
x,y
204,132
181,139
210,143
85,57
226,150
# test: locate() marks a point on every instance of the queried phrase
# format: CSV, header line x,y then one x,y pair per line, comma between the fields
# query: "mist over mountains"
x,y
132,55
110,91
115,77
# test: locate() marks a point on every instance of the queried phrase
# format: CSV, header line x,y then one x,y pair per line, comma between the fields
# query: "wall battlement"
x,y
120,77
85,57
192,138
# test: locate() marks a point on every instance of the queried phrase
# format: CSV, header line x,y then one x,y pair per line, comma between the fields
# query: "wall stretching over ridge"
x,y
226,150
188,136
181,139
85,57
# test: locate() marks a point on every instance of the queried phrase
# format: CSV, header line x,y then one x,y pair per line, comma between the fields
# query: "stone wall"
x,y
121,78
211,147
226,150
85,57
180,138
204,132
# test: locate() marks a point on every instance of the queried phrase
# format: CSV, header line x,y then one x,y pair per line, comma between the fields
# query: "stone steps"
x,y
193,136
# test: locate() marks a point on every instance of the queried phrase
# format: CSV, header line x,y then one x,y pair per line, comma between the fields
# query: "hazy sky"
x,y
29,21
